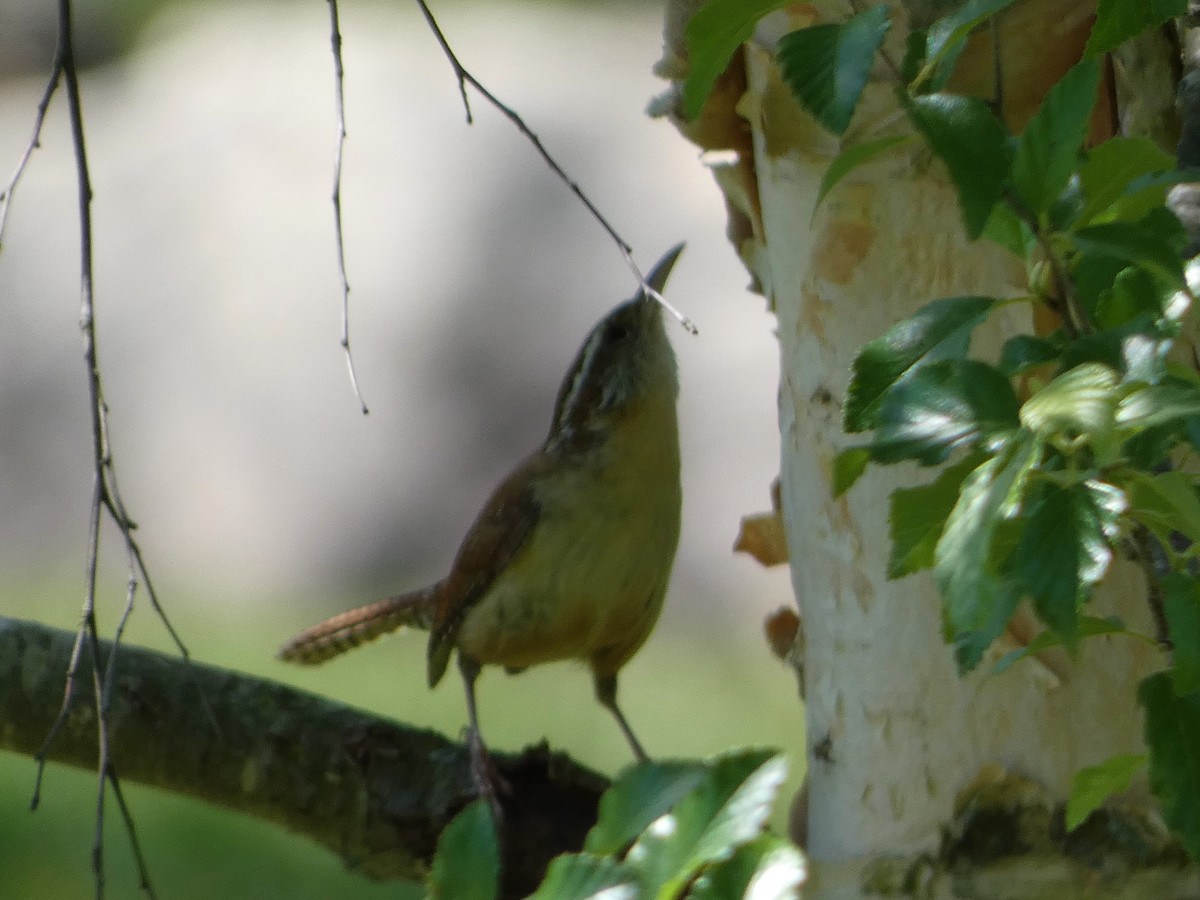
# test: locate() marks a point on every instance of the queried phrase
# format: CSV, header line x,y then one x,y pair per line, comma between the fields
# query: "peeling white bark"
x,y
897,740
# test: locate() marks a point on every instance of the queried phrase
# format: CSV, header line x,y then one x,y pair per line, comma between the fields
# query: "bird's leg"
x,y
482,772
606,693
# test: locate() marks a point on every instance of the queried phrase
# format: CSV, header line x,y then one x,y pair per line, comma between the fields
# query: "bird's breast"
x,y
589,581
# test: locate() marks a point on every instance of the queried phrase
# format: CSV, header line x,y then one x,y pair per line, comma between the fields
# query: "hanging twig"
x,y
335,37
464,78
34,142
135,845
105,495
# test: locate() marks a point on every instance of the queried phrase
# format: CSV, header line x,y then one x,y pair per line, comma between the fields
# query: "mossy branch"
x,y
375,792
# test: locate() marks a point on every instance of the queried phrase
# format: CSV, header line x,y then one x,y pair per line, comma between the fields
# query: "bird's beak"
x,y
657,278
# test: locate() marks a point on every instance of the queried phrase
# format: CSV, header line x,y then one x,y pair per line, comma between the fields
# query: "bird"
x,y
571,555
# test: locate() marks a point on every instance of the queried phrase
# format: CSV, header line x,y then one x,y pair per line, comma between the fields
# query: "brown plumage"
x,y
570,556
361,625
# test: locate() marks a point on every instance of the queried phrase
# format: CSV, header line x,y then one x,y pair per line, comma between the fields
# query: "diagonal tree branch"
x,y
375,792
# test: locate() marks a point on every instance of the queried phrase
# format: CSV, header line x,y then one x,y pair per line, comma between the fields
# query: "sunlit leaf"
x,y
917,517
947,35
1005,228
1064,550
967,137
467,863
713,33
1048,149
1158,404
826,66
853,157
1134,244
582,876
1082,400
966,573
1165,502
939,330
727,809
1119,20
1111,167
767,868
1023,352
943,407
848,467
1093,785
639,796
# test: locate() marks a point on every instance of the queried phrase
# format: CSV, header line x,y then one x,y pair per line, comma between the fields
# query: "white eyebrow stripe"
x,y
577,377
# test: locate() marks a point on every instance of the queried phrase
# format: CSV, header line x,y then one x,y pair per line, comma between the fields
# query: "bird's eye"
x,y
616,333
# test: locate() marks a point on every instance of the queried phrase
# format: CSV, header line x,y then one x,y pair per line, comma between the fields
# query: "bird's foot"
x,y
489,783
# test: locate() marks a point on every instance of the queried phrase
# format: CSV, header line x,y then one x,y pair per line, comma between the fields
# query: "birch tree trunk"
x,y
920,782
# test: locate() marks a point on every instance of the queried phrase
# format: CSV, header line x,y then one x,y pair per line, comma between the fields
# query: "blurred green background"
x,y
265,501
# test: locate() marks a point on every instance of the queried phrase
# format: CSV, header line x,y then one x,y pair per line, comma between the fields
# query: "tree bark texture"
x,y
899,743
374,792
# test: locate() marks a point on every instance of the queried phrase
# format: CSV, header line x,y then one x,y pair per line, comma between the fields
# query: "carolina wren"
x,y
570,556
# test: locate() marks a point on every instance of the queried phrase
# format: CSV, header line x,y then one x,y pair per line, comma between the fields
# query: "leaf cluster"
x,y
1073,447
665,830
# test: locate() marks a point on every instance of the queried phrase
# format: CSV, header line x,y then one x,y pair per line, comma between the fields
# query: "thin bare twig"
x,y
34,142
86,630
335,38
466,78
139,858
105,495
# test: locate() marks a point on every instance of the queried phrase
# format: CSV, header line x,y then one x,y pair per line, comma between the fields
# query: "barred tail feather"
x,y
356,627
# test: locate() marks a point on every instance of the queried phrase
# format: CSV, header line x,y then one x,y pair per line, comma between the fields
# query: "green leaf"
x,y
1119,20
713,33
1023,352
917,517
767,868
1181,602
1158,404
1005,228
1133,292
1145,194
966,573
1165,502
728,809
965,135
914,55
826,66
939,330
1049,148
947,35
848,467
1113,166
1093,785
467,863
1082,400
1064,549
1173,737
639,796
850,159
581,876
1144,356
1132,243
1089,626
971,642
944,406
